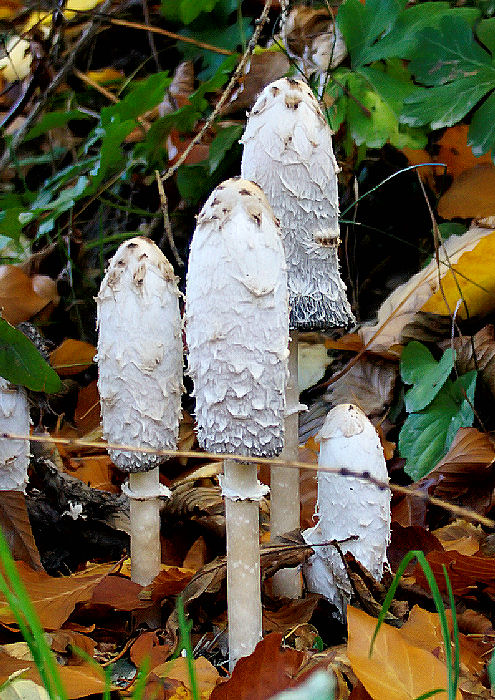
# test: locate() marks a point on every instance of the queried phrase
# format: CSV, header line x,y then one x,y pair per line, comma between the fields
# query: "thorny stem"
x,y
196,454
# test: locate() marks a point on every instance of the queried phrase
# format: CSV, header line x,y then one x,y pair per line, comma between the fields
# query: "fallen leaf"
x,y
54,599
72,357
403,539
147,646
78,681
119,593
422,629
368,384
471,195
207,676
465,573
453,150
69,642
290,615
87,415
471,275
196,556
483,358
94,470
397,670
263,68
267,671
15,525
19,300
22,689
400,307
461,536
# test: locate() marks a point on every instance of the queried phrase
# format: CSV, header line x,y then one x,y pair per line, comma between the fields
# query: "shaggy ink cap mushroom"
x,y
288,153
237,322
139,353
14,454
350,510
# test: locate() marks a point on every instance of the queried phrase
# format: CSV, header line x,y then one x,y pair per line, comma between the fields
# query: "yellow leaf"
x,y
105,75
397,670
476,279
79,6
72,357
17,62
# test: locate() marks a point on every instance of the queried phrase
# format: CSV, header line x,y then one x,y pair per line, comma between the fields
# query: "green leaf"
x,y
481,135
186,11
53,120
426,437
449,53
111,154
404,38
230,37
362,24
143,96
193,182
21,363
419,367
444,105
221,144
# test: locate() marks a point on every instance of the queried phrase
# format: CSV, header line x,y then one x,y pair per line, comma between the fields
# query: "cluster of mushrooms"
x,y
263,260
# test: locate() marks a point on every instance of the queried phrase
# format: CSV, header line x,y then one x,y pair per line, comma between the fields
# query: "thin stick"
x,y
197,454
226,93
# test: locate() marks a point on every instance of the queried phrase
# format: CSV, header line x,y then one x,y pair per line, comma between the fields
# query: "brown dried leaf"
x,y
19,298
484,352
54,599
196,556
147,645
404,539
87,415
72,357
397,669
262,69
94,470
67,642
78,681
468,464
461,536
15,525
207,676
288,616
471,195
119,593
465,573
267,671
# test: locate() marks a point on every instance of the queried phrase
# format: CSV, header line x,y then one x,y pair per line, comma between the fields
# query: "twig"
x,y
171,35
82,42
166,219
197,454
226,93
151,38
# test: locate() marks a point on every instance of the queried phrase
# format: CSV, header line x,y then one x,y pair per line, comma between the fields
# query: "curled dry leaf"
x,y
72,357
267,671
400,307
147,645
21,296
14,522
461,536
471,195
467,465
290,615
397,669
483,358
261,69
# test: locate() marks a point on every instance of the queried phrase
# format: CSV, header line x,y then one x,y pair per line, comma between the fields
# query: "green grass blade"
x,y
185,643
29,624
455,631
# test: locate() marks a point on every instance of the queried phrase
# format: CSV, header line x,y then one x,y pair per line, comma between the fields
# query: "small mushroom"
x,y
237,334
348,507
140,382
14,454
288,153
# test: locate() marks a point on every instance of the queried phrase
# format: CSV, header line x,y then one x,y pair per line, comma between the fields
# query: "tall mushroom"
x,y
140,382
237,334
352,511
14,454
288,153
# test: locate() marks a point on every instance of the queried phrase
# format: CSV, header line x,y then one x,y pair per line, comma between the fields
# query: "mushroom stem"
x,y
284,482
145,525
243,559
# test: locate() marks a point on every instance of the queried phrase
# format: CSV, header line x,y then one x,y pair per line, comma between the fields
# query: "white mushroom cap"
x,y
237,322
139,353
348,506
288,153
14,454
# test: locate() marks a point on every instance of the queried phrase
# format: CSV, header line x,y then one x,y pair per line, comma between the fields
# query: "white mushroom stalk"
x,y
237,335
14,454
348,506
288,153
140,368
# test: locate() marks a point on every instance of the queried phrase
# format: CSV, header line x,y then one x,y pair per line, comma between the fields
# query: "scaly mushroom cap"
x,y
288,153
139,353
14,454
237,322
348,506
